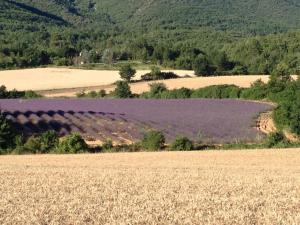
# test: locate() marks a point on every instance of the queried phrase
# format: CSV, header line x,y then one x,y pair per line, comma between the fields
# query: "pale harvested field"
x,y
194,82
58,78
213,187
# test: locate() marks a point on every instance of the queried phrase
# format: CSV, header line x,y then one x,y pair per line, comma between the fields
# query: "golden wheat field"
x,y
212,187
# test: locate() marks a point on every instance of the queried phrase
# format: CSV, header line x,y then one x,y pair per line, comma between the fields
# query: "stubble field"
x,y
140,87
65,82
213,187
65,78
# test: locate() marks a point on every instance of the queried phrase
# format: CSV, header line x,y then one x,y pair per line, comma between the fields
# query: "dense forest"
x,y
210,36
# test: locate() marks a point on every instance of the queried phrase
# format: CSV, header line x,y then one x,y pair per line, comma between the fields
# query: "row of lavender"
x,y
214,120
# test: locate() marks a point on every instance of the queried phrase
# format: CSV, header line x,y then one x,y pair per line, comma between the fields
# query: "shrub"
x,y
80,94
92,94
257,91
62,62
49,141
202,67
3,92
102,93
177,93
156,89
127,72
238,70
19,140
168,75
275,138
295,121
73,143
19,145
33,144
182,144
217,91
13,94
107,145
156,74
153,140
32,94
17,94
7,133
122,90
282,115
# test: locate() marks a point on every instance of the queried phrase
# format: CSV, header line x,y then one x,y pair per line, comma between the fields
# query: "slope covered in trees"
x,y
251,17
264,16
212,36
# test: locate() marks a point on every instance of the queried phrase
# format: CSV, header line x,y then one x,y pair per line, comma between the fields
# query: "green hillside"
x,y
250,16
256,17
229,36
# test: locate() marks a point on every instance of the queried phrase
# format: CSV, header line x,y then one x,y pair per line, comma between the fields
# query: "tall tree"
x,y
127,72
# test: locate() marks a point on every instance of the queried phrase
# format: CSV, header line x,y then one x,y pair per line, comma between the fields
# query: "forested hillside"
x,y
213,36
241,16
256,17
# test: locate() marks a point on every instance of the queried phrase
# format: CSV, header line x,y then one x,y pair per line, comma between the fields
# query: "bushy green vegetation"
x,y
107,145
91,94
180,93
49,141
276,139
7,134
156,91
258,91
122,90
157,74
182,144
160,91
153,140
218,91
72,144
5,94
127,72
32,145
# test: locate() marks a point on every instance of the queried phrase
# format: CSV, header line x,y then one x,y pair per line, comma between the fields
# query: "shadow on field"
x,y
63,122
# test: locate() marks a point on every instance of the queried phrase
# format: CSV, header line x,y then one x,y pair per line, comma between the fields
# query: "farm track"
x,y
210,187
266,124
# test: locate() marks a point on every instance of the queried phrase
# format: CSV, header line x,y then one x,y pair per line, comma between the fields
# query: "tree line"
x,y
66,47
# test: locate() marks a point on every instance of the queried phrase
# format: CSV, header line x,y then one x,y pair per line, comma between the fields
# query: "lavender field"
x,y
126,120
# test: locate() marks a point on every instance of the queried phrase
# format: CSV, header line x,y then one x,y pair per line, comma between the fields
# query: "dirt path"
x,y
265,123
